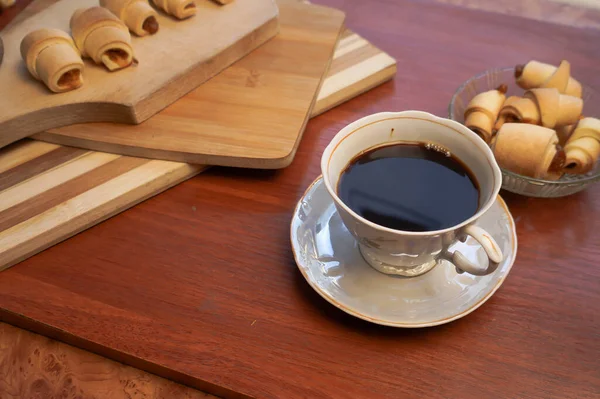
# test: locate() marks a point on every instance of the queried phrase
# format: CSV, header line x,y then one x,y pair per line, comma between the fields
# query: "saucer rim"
x,y
382,322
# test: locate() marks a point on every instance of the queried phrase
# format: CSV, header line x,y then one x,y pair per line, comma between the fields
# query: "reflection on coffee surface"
x,y
409,186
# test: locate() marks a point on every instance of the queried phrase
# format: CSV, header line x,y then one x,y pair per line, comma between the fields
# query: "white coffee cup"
x,y
409,253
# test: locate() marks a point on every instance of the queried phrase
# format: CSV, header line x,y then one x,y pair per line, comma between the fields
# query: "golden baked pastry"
x,y
541,134
583,147
555,109
529,150
138,15
51,56
180,9
482,112
103,37
518,109
536,74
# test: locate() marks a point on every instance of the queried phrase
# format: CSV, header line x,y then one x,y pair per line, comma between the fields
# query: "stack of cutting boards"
x,y
252,115
168,64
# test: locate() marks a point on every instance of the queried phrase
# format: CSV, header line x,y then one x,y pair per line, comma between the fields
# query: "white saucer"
x,y
329,259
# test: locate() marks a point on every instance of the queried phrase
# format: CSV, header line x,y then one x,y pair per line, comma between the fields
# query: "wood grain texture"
x,y
32,366
251,115
49,193
92,375
165,71
40,180
199,284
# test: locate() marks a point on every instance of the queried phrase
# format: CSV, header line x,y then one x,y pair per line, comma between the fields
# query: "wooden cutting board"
x,y
49,192
180,57
251,115
357,66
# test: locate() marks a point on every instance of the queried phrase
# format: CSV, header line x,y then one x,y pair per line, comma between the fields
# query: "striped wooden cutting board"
x,y
357,66
49,192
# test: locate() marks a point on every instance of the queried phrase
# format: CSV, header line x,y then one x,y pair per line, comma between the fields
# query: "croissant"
x,y
555,109
103,37
138,15
529,150
564,133
583,148
518,109
482,112
51,56
536,74
560,78
178,8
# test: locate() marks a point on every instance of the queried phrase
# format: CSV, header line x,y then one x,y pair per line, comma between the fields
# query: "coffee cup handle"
x,y
490,246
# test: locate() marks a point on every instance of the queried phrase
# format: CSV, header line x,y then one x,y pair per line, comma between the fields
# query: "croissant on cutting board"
x,y
103,37
52,57
180,9
138,15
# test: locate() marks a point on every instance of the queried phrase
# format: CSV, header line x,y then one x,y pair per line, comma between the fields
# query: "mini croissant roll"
x,y
556,109
518,109
564,133
51,56
536,74
138,15
504,117
560,78
482,112
529,150
583,147
178,8
103,37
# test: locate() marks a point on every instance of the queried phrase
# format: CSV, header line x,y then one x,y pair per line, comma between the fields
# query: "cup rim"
x,y
419,115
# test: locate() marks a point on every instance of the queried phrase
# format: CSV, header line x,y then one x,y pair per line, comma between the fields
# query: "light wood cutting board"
x,y
251,115
180,57
49,192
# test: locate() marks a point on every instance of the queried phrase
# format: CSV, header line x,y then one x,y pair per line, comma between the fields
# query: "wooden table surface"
x,y
537,337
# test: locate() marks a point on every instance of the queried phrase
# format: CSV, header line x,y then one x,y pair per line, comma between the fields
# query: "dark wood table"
x,y
538,337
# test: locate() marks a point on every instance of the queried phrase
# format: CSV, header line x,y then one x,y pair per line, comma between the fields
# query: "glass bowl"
x,y
513,182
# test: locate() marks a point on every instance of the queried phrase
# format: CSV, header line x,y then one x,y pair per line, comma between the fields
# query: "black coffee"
x,y
409,187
